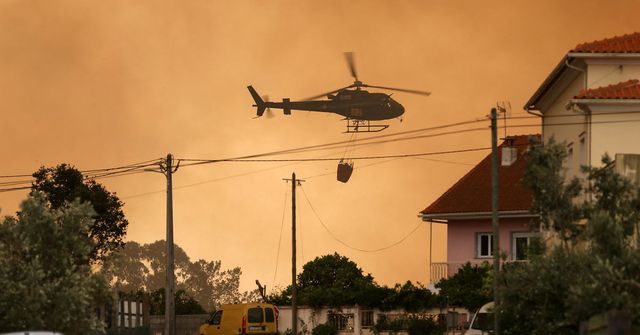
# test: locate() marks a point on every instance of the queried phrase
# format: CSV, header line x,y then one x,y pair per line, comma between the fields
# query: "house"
x,y
466,210
591,103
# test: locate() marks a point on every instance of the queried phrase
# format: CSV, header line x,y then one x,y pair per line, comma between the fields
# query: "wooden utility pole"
x,y
294,286
494,215
169,306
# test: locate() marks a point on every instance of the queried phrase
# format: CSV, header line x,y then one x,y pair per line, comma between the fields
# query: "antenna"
x,y
504,107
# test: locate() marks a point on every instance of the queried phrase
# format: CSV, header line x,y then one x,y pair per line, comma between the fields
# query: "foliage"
x,y
324,329
469,287
64,184
43,284
334,280
553,198
184,304
142,267
410,297
414,325
423,326
597,264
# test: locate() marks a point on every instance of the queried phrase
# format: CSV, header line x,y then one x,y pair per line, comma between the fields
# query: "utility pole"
x,y
294,286
494,216
169,306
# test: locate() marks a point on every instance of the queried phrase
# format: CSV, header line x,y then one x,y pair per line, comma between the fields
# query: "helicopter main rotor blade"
x,y
425,93
327,93
352,65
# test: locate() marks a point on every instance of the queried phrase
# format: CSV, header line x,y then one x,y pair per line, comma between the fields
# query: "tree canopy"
x,y
596,264
63,184
470,287
43,284
142,268
335,280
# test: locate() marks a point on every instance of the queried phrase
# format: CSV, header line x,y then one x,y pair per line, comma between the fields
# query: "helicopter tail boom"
x,y
258,100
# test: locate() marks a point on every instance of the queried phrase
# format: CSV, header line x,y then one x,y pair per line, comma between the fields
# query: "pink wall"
x,y
461,237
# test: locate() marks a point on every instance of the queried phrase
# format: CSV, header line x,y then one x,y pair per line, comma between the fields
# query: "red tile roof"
x,y
472,193
629,89
628,43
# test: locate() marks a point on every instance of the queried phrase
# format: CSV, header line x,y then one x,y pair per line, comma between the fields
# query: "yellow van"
x,y
242,319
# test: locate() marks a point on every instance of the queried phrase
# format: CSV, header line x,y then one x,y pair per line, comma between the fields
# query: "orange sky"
x,y
106,83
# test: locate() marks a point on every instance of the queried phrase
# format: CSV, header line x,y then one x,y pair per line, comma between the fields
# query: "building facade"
x,y
591,102
466,210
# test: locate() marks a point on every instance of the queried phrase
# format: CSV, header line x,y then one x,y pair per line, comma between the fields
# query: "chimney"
x,y
509,153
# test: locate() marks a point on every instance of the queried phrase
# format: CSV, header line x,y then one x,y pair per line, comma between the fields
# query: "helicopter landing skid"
x,y
364,126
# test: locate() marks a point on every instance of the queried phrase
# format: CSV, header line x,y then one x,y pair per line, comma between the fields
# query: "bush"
x,y
423,326
324,329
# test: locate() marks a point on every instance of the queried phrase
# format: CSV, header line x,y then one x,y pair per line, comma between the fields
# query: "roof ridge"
x,y
627,43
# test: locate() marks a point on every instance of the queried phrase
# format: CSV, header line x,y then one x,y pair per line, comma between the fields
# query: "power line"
x,y
284,209
99,174
252,158
352,247
330,145
293,161
139,164
358,158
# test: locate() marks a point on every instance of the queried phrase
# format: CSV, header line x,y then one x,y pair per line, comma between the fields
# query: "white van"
x,y
482,322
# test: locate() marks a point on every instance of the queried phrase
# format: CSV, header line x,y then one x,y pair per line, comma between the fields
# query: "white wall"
x,y
620,137
568,127
602,73
311,317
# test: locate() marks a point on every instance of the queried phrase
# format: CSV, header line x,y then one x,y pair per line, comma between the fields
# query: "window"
x,y
216,318
268,314
366,319
255,315
520,244
341,322
484,245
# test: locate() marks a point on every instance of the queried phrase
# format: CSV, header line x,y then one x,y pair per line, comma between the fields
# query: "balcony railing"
x,y
445,270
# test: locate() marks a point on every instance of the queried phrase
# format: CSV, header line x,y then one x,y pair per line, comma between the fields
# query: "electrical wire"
x,y
284,209
352,247
93,174
355,168
294,161
332,145
325,147
136,167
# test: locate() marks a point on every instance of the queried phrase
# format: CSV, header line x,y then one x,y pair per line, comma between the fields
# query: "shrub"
x,y
324,329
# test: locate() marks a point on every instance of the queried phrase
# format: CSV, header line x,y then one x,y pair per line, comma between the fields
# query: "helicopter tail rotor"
x,y
261,106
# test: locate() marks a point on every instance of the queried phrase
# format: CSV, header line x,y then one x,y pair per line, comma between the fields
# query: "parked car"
x,y
482,322
242,319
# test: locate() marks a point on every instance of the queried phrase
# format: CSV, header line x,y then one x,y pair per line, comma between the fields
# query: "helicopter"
x,y
358,107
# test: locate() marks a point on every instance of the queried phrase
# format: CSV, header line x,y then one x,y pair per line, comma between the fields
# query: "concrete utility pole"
x,y
494,214
169,306
294,286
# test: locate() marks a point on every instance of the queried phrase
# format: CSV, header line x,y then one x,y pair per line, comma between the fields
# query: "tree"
x,y
334,280
596,266
63,184
43,285
184,303
469,287
142,267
